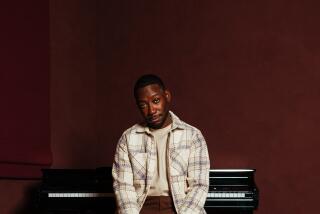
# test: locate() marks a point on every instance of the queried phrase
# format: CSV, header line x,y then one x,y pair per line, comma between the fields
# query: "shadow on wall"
x,y
30,201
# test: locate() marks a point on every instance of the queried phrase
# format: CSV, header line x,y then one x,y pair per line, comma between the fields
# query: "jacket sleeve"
x,y
124,190
198,176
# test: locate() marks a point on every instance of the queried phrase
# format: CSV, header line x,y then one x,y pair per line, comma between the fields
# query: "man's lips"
x,y
154,119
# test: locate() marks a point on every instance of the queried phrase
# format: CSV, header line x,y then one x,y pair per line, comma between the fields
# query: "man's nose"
x,y
151,109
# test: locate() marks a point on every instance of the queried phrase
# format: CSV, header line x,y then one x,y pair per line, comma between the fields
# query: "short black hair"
x,y
148,79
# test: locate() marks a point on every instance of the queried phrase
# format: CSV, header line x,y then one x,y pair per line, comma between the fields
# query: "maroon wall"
x,y
73,83
24,89
24,94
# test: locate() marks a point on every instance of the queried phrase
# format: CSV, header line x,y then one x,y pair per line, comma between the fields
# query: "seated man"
x,y
161,165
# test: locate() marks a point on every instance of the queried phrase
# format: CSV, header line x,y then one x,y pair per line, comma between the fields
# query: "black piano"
x,y
232,191
89,191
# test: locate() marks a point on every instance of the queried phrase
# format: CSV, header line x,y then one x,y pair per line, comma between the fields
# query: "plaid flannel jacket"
x,y
187,166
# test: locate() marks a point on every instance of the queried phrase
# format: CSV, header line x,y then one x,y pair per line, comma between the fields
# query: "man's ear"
x,y
167,94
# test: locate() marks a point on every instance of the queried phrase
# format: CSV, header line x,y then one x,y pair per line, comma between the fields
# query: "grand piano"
x,y
89,191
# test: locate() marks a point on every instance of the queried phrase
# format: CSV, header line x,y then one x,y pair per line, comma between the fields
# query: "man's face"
x,y
153,103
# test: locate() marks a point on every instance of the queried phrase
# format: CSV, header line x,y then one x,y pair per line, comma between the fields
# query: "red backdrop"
x,y
24,89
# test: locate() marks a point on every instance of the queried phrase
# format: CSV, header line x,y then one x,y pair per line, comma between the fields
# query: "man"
x,y
161,165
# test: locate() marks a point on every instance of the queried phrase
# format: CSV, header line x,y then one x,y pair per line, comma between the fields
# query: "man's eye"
x,y
142,106
156,101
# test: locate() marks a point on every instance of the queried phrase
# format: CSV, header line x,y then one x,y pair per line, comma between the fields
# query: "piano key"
x,y
77,195
224,195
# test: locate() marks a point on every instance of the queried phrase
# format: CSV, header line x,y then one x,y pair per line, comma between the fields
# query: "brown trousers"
x,y
157,205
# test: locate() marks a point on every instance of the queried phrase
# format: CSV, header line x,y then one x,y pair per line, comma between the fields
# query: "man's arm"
x,y
198,176
124,190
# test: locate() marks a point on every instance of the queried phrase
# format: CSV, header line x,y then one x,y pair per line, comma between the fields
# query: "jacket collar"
x,y
176,124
